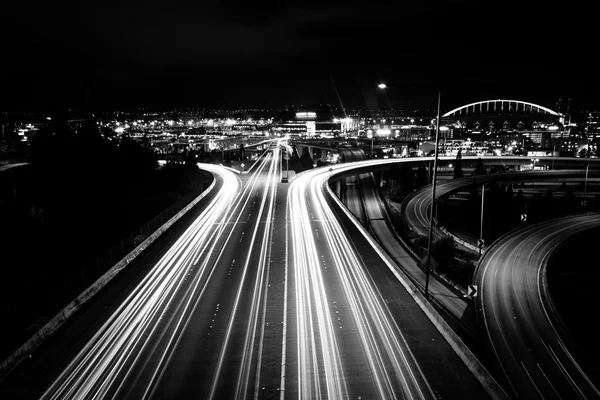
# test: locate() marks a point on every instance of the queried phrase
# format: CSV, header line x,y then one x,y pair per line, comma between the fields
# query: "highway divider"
x,y
61,317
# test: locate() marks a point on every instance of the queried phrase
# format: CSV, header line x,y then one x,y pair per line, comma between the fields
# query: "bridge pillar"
x,y
378,176
337,188
430,171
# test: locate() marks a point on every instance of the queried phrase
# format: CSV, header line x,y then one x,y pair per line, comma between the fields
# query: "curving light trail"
x,y
322,367
130,353
518,319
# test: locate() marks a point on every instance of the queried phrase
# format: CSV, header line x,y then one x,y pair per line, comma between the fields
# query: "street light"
x,y
585,186
481,225
437,139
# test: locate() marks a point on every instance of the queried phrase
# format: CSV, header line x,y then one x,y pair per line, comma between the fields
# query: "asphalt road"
x,y
415,208
519,317
358,334
194,326
380,226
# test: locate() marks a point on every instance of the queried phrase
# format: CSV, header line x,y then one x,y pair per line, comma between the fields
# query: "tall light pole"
x,y
372,139
585,185
481,224
437,139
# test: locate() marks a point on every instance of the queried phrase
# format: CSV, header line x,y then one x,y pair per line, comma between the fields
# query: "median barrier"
x,y
56,322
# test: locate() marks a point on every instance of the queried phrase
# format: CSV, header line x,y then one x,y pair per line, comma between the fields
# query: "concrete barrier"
x,y
461,241
56,322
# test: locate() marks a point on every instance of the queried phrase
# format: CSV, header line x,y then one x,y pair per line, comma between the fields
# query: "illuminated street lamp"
x,y
382,86
437,140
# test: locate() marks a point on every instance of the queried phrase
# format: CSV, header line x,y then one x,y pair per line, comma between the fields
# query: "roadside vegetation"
x,y
81,194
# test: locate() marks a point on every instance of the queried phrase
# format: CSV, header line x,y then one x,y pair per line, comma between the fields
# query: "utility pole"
x,y
437,139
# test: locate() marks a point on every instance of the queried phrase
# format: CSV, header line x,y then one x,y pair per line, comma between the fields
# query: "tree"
x,y
458,172
443,251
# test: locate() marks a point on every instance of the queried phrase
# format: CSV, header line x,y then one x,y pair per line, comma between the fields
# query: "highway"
x,y
195,326
415,208
266,295
517,313
381,228
349,343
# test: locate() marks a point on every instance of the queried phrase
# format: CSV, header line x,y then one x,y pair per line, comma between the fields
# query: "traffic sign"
x,y
583,203
242,165
480,242
523,217
471,291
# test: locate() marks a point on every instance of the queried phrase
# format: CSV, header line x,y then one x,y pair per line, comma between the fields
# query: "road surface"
x,y
515,307
352,336
195,326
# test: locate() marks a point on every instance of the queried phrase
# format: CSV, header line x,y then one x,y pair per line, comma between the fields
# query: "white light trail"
x,y
158,309
386,355
94,370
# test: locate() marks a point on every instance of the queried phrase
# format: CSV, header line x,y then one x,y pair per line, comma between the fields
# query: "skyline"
x,y
149,54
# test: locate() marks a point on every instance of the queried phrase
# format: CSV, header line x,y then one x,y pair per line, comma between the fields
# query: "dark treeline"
x,y
82,193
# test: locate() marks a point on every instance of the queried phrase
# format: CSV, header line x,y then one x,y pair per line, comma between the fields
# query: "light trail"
x,y
129,354
94,370
514,303
322,371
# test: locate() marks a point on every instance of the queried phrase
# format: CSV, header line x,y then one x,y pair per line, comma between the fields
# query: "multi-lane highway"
x,y
265,295
195,326
518,316
351,322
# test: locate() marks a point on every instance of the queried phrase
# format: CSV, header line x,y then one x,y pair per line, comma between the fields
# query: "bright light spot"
x,y
382,86
120,129
383,132
307,114
444,128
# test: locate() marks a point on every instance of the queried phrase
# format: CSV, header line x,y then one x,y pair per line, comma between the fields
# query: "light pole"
x,y
481,224
437,139
372,139
585,186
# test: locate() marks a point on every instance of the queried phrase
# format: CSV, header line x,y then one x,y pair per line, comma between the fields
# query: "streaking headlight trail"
x,y
322,366
110,352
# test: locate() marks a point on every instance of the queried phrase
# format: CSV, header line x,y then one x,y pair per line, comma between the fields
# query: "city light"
x,y
382,86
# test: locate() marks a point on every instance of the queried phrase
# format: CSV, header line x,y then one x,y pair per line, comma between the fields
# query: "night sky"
x,y
115,54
